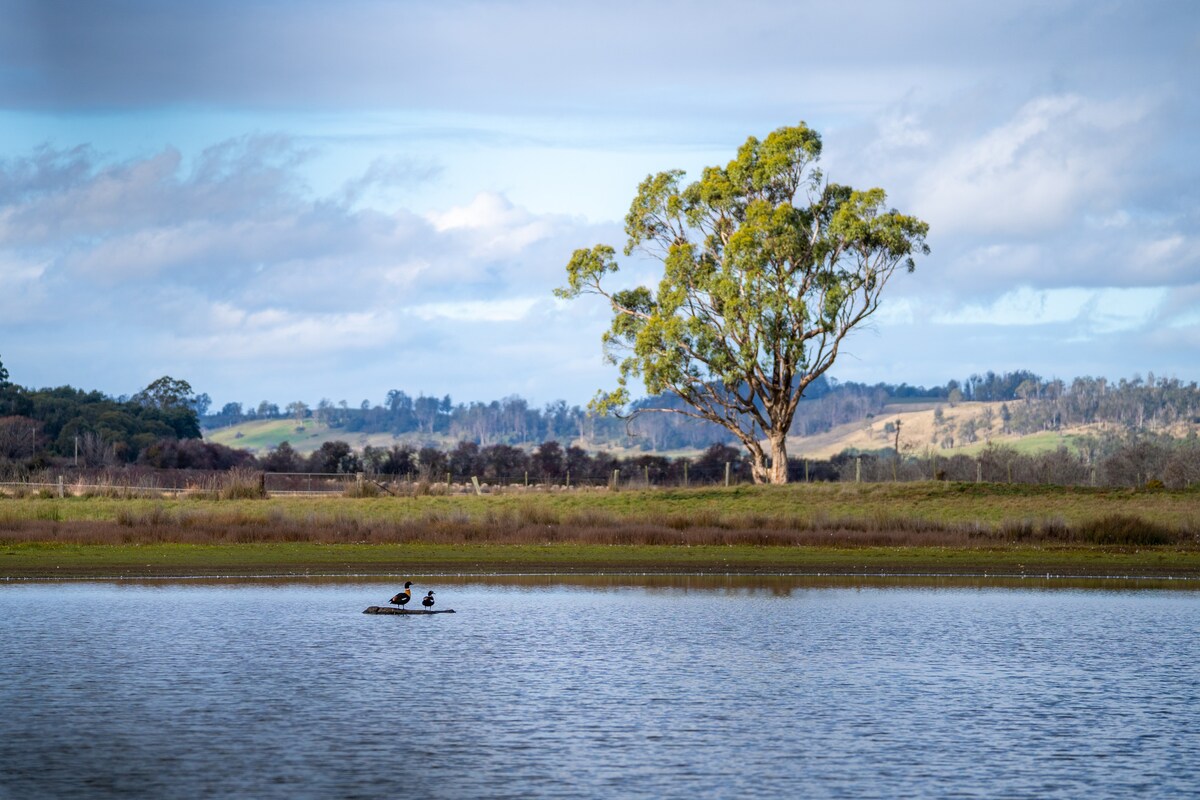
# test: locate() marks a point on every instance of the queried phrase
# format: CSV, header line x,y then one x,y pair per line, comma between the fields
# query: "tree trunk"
x,y
758,461
773,470
779,463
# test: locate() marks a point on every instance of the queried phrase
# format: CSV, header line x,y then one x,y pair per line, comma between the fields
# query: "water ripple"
x,y
549,690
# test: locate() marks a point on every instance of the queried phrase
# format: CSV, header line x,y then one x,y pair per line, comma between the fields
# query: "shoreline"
x,y
50,561
929,528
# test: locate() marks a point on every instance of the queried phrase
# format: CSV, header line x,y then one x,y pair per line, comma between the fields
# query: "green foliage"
x,y
119,430
766,268
166,393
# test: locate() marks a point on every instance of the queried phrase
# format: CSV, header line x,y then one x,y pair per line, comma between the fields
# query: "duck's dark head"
x,y
407,584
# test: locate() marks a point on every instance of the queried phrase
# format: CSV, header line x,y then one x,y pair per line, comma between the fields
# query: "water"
x,y
675,687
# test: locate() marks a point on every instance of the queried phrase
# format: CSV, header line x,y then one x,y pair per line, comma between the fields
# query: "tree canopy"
x,y
766,268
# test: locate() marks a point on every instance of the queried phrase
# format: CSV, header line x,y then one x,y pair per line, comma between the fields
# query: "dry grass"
x,y
237,484
533,524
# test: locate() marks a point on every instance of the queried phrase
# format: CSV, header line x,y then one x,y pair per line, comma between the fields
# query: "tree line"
x,y
160,425
40,424
1032,404
1132,460
514,420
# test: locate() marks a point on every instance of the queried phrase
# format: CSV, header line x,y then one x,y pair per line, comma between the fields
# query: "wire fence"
x,y
174,483
1176,468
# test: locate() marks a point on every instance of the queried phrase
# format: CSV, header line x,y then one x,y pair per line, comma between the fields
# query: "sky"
x,y
307,200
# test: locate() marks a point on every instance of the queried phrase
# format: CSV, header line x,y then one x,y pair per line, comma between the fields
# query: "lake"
x,y
601,686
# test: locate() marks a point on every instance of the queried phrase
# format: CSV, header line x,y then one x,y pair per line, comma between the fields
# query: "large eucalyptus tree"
x,y
766,268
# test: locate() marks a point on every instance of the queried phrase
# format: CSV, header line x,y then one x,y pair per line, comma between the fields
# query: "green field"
x,y
67,561
1031,445
942,528
260,436
929,501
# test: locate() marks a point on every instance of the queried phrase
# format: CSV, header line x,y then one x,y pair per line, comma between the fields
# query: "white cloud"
x,y
511,310
1050,146
237,334
494,224
1059,157
286,278
1095,310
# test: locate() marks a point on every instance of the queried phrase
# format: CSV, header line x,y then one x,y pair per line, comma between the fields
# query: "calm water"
x,y
609,687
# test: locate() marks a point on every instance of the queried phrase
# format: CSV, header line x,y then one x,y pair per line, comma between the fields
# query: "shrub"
x,y
1124,529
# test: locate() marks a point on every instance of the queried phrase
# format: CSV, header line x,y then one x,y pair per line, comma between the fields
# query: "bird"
x,y
403,597
428,602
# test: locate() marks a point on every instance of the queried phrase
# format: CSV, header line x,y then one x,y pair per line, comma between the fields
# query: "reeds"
x,y
527,524
236,484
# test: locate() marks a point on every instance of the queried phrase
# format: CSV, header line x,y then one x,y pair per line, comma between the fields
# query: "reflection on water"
x,y
582,686
782,584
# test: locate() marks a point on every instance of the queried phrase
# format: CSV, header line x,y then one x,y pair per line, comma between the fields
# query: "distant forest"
x,y
156,426
1032,404
514,421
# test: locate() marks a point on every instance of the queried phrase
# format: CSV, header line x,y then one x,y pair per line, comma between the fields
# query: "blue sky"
x,y
298,200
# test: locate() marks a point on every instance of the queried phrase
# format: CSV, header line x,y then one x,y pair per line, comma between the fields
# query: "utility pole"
x,y
896,465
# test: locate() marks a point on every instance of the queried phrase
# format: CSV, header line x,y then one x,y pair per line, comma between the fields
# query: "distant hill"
x,y
925,427
920,430
1016,407
261,436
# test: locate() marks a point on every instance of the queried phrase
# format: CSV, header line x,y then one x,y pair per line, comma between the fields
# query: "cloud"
x,y
494,225
510,310
1050,146
268,334
387,172
228,258
1058,158
1093,311
540,54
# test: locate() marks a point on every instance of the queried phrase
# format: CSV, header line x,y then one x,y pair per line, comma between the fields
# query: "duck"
x,y
403,597
428,602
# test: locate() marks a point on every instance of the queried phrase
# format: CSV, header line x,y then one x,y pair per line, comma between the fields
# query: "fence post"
x,y
616,477
858,469
447,481
526,479
806,470
685,475
61,488
726,473
475,482
978,471
568,479
646,471
359,478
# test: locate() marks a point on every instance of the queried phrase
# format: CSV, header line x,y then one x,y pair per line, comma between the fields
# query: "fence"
x,y
144,482
1134,467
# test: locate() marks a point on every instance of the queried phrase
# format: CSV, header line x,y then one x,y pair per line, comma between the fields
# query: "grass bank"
x,y
73,561
880,528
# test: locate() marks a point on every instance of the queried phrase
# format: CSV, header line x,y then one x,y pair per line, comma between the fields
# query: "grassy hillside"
x,y
261,435
920,432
